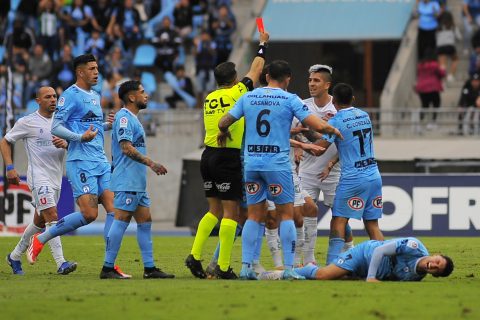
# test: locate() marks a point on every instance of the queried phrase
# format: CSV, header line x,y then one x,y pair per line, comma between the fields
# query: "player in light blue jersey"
x,y
129,183
401,259
79,120
268,116
359,192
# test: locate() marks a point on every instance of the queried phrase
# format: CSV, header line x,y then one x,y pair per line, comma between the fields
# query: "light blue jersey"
x,y
77,109
128,174
356,153
268,116
399,266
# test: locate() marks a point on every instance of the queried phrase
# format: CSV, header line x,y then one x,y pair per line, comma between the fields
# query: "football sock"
x,y
114,241
335,246
217,248
258,246
144,239
310,225
227,237
22,245
108,223
309,271
348,246
67,224
205,227
273,241
249,239
299,245
55,245
288,237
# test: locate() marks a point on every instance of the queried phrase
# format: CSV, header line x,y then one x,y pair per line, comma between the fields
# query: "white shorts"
x,y
45,197
300,194
313,186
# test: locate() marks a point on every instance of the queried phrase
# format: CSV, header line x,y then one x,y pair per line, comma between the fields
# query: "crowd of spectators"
x,y
42,37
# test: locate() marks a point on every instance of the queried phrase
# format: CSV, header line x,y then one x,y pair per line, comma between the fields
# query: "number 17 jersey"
x,y
356,152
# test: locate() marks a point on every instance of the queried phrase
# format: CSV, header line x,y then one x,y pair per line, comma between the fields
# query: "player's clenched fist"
x,y
13,177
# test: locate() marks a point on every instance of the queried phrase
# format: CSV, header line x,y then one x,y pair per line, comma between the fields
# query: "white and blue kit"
x,y
359,192
87,167
268,115
129,177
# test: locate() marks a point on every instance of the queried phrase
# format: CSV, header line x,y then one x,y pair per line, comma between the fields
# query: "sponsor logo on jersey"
x,y
223,187
123,122
139,143
355,203
207,185
94,102
252,187
377,202
90,116
121,132
275,189
61,102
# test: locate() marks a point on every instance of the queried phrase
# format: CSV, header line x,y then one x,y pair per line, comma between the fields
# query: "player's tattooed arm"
x,y
130,151
223,125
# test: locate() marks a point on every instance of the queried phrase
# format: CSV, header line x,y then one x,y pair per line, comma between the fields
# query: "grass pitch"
x,y
42,294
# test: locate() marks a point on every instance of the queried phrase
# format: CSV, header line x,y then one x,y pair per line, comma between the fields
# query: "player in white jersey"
x,y
44,175
320,104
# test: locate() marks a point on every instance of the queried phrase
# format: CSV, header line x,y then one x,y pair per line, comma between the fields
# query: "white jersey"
x,y
45,161
312,165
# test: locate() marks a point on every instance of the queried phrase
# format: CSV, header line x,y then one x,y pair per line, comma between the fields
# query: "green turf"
x,y
41,294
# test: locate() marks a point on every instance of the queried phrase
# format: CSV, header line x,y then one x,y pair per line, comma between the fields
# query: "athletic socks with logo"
x,y
288,237
114,240
335,246
273,241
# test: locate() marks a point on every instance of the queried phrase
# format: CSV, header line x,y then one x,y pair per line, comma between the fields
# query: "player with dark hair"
x,y
129,183
79,120
268,113
45,155
401,259
221,165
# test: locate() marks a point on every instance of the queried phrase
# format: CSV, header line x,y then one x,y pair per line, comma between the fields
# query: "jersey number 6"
x,y
263,126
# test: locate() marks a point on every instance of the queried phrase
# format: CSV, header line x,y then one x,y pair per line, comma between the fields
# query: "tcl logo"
x,y
355,203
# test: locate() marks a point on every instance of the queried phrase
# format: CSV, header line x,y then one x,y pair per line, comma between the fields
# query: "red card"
x,y
260,27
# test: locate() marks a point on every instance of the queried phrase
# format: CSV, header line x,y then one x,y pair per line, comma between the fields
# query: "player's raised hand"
x,y
89,135
110,119
264,36
13,177
158,168
222,138
59,142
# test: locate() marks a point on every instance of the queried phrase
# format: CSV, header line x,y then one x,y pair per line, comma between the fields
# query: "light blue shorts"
x,y
87,177
276,186
129,201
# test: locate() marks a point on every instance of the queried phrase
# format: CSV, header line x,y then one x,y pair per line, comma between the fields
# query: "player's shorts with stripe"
x,y
129,201
45,197
359,200
276,186
88,177
313,186
221,171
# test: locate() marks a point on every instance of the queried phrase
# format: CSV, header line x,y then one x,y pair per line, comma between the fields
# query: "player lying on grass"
x,y
401,259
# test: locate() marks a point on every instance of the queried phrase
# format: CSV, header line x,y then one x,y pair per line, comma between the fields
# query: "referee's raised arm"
x,y
259,60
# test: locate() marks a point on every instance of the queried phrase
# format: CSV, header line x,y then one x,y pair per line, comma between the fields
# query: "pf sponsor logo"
x,y
377,202
275,189
252,187
223,187
355,203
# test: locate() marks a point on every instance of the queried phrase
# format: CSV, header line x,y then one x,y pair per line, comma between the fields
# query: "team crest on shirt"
x,y
128,201
86,189
94,102
123,122
356,203
377,202
412,244
43,201
340,261
61,102
252,187
275,189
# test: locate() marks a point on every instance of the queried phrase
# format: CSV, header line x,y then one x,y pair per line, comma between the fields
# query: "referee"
x,y
221,167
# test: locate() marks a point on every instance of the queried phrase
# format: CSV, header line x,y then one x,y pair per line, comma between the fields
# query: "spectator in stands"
x,y
447,33
471,20
20,40
102,13
115,63
63,75
183,19
27,10
185,83
128,19
166,41
427,12
429,83
49,27
199,10
109,94
223,25
205,62
469,104
4,9
78,20
39,70
96,46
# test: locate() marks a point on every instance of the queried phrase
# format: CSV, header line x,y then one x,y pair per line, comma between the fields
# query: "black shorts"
x,y
447,50
222,173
